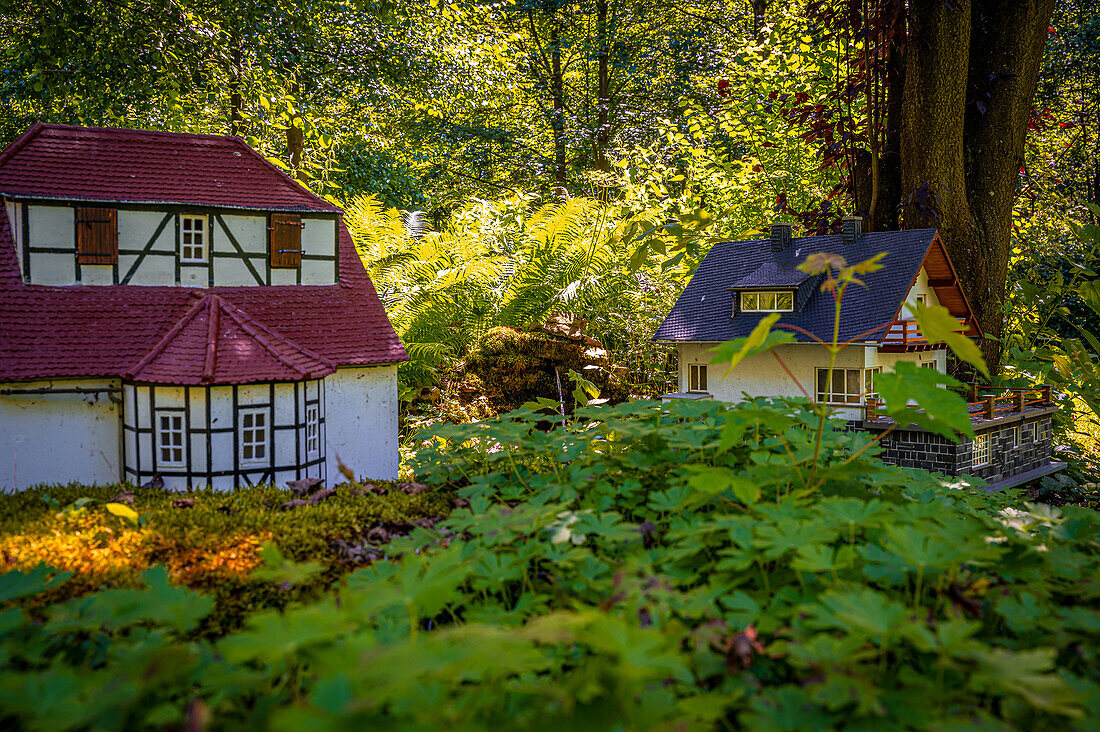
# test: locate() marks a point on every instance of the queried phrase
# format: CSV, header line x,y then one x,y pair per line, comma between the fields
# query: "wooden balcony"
x,y
906,335
985,403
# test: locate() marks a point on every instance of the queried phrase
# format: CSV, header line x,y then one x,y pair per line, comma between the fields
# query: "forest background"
x,y
531,161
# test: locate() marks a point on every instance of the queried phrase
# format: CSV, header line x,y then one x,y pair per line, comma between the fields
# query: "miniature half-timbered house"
x,y
174,304
738,283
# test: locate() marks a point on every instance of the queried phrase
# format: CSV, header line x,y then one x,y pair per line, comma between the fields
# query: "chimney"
x,y
781,236
851,229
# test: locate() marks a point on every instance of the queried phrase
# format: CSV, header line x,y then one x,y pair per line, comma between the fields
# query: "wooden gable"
x,y
944,281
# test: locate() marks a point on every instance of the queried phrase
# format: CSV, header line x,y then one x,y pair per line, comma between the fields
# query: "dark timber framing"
x,y
173,212
142,428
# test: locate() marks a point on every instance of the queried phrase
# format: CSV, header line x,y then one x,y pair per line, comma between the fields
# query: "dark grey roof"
x,y
773,274
703,312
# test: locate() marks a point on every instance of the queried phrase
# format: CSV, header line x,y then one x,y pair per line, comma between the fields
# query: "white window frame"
x,y
1014,437
176,429
697,378
313,430
866,382
752,302
187,230
246,436
981,451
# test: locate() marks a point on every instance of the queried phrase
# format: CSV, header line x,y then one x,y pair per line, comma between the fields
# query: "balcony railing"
x,y
908,333
986,402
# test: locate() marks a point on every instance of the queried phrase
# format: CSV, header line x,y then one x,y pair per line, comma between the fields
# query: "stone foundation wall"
x,y
916,449
1005,459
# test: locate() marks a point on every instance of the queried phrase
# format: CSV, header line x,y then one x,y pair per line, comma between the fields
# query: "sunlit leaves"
x,y
761,339
939,326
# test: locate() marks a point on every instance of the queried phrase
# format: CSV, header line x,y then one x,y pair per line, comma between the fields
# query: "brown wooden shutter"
x,y
285,241
96,235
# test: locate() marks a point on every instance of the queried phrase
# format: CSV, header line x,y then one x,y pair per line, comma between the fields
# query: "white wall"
x,y
762,375
59,438
53,227
361,421
920,287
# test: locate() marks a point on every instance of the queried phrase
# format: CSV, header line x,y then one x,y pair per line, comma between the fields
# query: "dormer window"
x,y
193,238
767,301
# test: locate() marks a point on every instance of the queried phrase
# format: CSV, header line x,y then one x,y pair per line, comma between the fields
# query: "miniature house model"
x,y
738,283
175,305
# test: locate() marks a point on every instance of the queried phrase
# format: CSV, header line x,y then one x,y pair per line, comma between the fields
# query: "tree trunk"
x,y
960,162
557,91
236,100
295,135
759,9
603,90
887,194
1007,38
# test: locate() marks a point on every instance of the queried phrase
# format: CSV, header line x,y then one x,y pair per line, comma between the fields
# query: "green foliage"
x,y
644,565
510,263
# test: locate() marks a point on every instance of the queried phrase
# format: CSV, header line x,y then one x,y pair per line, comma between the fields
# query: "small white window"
x,y
928,365
193,238
697,377
980,450
169,440
254,436
921,299
1013,437
313,441
776,301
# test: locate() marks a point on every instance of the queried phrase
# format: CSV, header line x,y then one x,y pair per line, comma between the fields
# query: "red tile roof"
x,y
139,166
217,343
107,331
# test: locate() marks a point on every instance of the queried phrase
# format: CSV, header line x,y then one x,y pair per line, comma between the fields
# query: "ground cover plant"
x,y
645,565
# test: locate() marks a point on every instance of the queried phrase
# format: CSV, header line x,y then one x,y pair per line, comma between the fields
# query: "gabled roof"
x,y
140,166
217,343
773,274
703,311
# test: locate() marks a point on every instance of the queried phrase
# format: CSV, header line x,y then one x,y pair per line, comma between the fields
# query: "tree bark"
x,y
603,89
295,135
557,91
236,99
1006,48
759,9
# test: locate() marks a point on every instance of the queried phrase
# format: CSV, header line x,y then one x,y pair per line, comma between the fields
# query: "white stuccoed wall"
x,y
59,438
361,421
762,375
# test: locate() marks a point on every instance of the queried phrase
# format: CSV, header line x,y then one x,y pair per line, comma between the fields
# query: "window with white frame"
x,y
313,435
849,386
980,451
170,450
255,446
928,365
697,377
193,238
769,301
1013,437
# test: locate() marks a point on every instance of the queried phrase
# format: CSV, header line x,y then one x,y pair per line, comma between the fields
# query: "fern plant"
x,y
511,262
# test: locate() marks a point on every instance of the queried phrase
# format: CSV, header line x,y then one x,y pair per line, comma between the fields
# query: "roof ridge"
x,y
210,357
168,337
138,130
252,327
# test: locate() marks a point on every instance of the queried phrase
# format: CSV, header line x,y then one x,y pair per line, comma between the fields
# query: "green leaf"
x,y
939,326
761,339
937,409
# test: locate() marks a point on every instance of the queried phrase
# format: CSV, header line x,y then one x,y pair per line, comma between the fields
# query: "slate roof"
x,y
140,166
773,274
109,331
703,311
217,343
